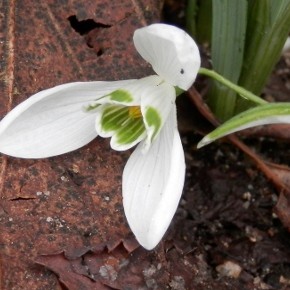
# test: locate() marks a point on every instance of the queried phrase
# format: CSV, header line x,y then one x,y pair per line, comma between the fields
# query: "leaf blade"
x,y
273,113
228,39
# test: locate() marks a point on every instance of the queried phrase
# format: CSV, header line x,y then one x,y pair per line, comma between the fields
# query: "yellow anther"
x,y
135,112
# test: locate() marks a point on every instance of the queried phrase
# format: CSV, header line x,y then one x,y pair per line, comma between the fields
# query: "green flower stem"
x,y
239,90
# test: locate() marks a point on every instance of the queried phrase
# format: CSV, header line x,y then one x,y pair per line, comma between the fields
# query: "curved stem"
x,y
239,90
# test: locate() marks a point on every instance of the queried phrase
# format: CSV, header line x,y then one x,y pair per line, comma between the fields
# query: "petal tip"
x,y
203,142
148,243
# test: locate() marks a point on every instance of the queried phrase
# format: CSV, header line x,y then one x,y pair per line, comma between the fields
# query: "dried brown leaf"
x,y
115,269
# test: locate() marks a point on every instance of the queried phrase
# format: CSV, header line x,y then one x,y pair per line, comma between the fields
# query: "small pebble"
x,y
229,269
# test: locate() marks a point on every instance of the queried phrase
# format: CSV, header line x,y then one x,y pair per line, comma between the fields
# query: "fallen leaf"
x,y
119,269
115,269
64,269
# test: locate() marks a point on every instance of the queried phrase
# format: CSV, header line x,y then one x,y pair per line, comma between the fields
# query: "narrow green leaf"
x,y
228,39
268,28
199,20
191,11
265,114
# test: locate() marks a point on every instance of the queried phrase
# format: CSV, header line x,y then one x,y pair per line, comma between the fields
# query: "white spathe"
x,y
67,117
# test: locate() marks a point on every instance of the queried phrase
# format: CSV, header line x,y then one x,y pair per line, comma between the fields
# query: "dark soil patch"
x,y
225,225
226,220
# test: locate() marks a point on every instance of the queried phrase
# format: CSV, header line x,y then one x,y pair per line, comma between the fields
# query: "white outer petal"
x,y
53,121
152,185
172,53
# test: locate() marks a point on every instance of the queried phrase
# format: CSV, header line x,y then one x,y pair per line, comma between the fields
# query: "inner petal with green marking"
x,y
113,117
153,120
126,123
132,130
122,96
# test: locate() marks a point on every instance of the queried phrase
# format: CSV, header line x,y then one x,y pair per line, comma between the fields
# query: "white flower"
x,y
67,117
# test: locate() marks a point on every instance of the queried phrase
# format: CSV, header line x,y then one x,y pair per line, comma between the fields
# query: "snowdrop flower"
x,y
68,116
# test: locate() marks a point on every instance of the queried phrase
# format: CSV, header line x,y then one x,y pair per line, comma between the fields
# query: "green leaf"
x,y
191,10
265,114
268,28
199,20
228,39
